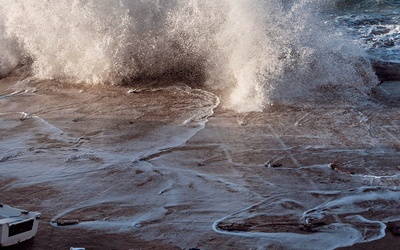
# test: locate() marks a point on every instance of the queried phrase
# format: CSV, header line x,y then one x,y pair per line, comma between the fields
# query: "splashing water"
x,y
259,52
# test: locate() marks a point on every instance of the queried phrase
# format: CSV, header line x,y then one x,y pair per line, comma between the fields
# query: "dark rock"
x,y
67,222
273,165
393,227
244,227
386,71
335,166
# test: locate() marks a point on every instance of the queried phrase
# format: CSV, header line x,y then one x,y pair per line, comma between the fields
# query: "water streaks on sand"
x,y
346,219
129,164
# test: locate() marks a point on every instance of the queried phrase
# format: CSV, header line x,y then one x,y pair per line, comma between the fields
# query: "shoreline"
x,y
77,162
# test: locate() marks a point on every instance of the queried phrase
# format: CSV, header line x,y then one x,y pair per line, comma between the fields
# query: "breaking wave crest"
x,y
259,52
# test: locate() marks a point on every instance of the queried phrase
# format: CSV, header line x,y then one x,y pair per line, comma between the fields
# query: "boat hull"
x,y
17,225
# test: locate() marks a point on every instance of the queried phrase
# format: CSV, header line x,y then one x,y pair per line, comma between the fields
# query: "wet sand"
x,y
139,168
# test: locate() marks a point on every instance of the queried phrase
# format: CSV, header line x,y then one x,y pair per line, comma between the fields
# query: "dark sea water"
x,y
375,24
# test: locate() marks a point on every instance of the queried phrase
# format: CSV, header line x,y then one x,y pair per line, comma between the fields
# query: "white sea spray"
x,y
258,52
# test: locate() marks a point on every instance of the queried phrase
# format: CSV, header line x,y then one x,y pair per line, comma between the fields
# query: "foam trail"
x,y
258,52
344,220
